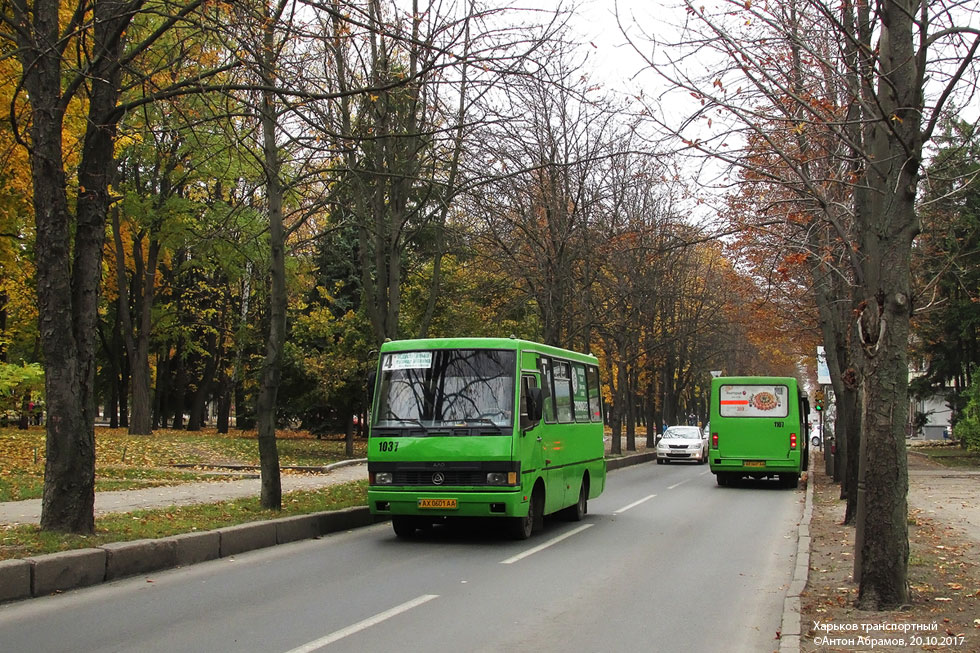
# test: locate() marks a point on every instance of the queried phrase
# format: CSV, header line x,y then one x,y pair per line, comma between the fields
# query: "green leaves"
x,y
17,381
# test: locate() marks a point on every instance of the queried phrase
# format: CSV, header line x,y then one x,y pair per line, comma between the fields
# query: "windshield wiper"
x,y
413,420
486,420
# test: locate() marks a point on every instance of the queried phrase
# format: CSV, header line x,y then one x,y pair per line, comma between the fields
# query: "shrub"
x,y
967,429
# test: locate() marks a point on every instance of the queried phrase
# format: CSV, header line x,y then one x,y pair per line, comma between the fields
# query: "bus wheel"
x,y
522,527
404,527
789,480
577,510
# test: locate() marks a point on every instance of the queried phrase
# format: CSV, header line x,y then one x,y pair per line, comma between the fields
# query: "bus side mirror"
x,y
371,379
535,405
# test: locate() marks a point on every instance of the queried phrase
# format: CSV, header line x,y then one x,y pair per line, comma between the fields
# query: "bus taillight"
x,y
792,440
714,440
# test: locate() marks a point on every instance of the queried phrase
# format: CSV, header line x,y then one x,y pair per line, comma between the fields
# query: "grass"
x,y
124,461
25,541
952,456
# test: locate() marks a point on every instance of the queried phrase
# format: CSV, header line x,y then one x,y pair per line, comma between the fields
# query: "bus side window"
x,y
580,395
530,402
563,391
547,392
595,393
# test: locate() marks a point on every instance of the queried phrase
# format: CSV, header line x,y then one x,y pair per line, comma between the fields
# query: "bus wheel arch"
x,y
522,528
578,510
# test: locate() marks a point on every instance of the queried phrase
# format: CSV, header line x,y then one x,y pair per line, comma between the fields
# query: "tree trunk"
x,y
881,543
271,496
349,434
69,257
203,392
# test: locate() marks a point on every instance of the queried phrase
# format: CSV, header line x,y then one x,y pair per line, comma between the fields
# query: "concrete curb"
x,y
791,630
632,459
57,572
314,469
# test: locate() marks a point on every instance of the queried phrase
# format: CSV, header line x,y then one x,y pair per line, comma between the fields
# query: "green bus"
x,y
499,428
759,427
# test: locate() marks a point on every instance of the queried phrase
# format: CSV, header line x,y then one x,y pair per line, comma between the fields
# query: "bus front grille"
x,y
437,479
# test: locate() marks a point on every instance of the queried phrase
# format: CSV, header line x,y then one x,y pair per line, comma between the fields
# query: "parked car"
x,y
682,443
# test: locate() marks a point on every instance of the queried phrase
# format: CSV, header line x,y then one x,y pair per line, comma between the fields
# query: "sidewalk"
x,y
947,494
944,541
29,512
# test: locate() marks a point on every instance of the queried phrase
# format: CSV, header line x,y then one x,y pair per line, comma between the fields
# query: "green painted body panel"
x,y
753,422
558,456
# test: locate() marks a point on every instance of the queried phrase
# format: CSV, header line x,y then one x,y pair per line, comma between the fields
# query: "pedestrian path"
x,y
29,511
948,494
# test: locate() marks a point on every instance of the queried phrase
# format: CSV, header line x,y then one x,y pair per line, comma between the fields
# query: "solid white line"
x,y
634,504
541,547
363,625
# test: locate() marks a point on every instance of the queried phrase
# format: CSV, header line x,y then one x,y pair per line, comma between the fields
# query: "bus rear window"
x,y
753,401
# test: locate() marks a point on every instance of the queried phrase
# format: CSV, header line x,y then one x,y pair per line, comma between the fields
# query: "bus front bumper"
x,y
447,503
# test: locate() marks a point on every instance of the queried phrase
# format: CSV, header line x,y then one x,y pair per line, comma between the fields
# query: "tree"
x,y
68,276
945,265
72,61
884,84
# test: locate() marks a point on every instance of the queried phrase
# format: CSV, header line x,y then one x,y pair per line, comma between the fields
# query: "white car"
x,y
682,443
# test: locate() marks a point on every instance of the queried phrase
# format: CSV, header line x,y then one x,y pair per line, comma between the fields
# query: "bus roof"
x,y
484,343
750,380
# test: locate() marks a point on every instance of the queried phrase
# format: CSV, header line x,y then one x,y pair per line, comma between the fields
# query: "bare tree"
x,y
745,51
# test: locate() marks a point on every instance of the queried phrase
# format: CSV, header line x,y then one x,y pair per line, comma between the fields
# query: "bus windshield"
x,y
447,387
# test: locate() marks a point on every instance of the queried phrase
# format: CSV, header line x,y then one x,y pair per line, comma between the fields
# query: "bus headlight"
x,y
501,478
382,478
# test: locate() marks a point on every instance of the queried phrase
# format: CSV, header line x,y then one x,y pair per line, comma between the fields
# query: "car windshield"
x,y
447,387
682,432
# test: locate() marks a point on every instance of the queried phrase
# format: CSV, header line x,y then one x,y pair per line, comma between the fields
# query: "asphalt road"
x,y
665,561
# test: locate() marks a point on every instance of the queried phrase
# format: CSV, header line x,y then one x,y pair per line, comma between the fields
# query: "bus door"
x,y
530,441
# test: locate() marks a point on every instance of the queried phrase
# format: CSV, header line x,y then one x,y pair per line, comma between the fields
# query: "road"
x,y
665,560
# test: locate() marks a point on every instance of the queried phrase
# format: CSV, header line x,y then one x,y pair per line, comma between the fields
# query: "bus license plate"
x,y
438,504
755,463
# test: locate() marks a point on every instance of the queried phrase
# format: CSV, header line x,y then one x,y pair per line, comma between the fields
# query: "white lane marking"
x,y
363,625
541,547
676,484
634,504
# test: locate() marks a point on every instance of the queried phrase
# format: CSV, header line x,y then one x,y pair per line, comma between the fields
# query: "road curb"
x,y
791,630
58,572
633,459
